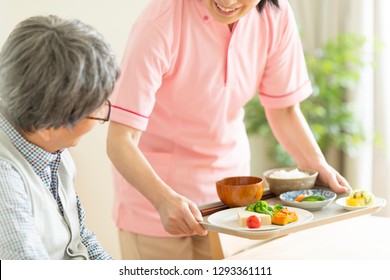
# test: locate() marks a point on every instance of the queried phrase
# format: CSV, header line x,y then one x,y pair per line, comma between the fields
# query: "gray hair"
x,y
54,72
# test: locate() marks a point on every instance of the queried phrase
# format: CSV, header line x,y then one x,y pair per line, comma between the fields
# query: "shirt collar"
x,y
206,16
203,12
38,158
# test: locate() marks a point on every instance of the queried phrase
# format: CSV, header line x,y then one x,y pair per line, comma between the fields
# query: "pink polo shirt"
x,y
185,79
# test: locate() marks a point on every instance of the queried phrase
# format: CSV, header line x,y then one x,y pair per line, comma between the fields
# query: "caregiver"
x,y
189,68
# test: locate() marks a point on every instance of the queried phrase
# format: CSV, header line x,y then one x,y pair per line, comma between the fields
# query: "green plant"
x,y
334,71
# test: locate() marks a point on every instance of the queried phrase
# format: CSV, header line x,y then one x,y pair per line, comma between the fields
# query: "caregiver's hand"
x,y
180,216
329,177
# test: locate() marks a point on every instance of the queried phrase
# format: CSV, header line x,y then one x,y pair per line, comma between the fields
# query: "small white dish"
x,y
288,198
379,202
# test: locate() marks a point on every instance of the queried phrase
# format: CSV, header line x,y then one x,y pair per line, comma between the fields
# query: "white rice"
x,y
291,174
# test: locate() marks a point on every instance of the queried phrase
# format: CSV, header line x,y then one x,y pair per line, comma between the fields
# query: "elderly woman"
x,y
56,77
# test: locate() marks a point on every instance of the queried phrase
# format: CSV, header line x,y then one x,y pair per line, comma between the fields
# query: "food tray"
x,y
330,214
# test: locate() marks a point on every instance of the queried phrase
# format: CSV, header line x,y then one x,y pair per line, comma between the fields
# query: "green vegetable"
x,y
250,208
314,198
277,208
262,207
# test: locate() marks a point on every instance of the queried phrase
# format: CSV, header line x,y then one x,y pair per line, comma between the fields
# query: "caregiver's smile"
x,y
229,11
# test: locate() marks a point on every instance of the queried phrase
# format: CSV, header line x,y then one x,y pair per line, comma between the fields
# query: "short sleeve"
x,y
145,61
285,81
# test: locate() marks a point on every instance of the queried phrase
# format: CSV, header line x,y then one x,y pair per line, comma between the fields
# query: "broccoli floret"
x,y
277,208
262,207
250,207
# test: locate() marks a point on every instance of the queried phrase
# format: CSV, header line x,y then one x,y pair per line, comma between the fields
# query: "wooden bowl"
x,y
240,190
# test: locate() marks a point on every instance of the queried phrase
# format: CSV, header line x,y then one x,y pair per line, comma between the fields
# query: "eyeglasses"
x,y
104,113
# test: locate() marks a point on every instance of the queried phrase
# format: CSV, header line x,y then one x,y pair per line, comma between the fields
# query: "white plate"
x,y
228,219
379,202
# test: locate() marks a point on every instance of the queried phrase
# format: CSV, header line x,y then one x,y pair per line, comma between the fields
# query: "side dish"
x,y
243,216
306,197
360,198
267,215
284,217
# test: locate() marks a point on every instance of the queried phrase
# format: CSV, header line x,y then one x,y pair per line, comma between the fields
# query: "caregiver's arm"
x,y
178,214
293,133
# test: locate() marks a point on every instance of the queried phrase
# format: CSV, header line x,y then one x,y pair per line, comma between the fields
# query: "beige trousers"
x,y
141,247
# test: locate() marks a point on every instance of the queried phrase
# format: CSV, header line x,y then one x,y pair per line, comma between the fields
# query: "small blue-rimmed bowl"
x,y
289,197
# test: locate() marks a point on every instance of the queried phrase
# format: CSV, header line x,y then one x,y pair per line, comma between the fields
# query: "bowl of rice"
x,y
284,179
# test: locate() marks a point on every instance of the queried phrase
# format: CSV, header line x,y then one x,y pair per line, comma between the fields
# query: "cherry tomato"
x,y
253,222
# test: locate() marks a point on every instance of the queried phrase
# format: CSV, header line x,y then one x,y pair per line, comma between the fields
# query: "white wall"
x,y
113,19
